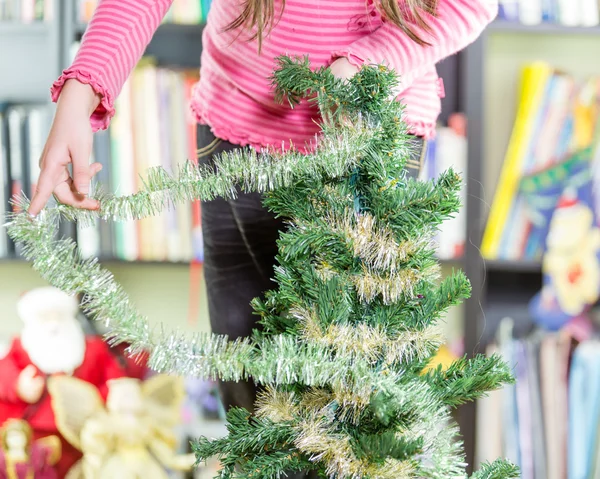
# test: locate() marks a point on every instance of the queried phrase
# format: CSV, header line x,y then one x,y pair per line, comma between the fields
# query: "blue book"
x,y
508,10
549,11
584,409
205,6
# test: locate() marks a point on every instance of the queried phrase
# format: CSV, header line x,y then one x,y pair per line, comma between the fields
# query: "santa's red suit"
x,y
99,365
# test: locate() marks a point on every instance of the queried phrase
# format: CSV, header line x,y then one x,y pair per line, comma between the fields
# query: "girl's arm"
x,y
457,24
113,43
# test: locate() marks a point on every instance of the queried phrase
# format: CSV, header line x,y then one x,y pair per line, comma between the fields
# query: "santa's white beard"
x,y
60,352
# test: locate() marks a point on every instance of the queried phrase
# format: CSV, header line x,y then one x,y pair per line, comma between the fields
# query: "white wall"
x,y
161,292
506,53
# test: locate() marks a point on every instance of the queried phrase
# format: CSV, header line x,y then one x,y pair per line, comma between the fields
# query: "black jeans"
x,y
239,255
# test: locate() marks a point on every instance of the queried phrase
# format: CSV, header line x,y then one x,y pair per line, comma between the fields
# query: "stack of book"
x,y
556,118
189,12
23,132
548,423
449,150
26,11
152,127
563,12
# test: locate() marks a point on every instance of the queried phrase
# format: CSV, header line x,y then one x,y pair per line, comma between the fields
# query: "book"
x,y
508,10
550,419
186,12
449,150
589,13
123,171
102,155
584,408
27,11
562,124
197,240
530,12
489,422
178,150
16,118
4,182
531,92
152,128
570,13
23,133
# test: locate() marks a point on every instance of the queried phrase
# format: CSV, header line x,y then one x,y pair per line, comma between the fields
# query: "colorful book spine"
x,y
153,128
564,123
570,13
533,80
185,12
508,10
27,11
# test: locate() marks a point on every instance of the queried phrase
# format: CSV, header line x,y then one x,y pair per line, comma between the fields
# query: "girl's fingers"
x,y
81,177
65,193
95,168
45,186
50,176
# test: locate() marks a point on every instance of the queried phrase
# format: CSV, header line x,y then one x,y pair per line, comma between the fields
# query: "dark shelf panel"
x,y
543,28
177,45
524,266
173,45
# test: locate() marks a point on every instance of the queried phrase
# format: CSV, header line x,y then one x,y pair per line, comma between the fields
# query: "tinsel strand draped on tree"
x,y
352,322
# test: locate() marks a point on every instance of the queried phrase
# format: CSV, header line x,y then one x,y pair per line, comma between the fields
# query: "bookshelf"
x,y
31,52
173,45
488,72
497,285
502,26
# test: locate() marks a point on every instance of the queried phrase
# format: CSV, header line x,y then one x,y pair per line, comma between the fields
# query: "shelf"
x,y
80,29
31,50
176,45
106,261
451,261
173,44
22,29
12,260
524,266
117,261
542,29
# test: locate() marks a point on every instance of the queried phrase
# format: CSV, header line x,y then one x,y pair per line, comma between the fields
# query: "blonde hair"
x,y
259,16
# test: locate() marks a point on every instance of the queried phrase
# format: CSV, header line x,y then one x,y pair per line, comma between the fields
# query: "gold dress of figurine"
x,y
23,458
130,438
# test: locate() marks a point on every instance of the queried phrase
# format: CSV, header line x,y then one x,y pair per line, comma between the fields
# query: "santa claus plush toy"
x,y
52,343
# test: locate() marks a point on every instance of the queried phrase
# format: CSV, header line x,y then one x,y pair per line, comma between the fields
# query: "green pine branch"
x,y
469,379
498,469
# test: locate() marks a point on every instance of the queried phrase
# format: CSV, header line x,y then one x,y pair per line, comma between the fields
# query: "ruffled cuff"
x,y
422,129
353,58
100,118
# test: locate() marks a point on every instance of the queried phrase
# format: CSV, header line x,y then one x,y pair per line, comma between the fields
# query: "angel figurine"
x,y
22,457
131,437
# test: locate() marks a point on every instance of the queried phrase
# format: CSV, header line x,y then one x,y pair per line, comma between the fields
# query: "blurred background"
x,y
519,121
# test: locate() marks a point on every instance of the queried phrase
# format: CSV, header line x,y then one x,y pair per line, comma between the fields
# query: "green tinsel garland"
x,y
278,359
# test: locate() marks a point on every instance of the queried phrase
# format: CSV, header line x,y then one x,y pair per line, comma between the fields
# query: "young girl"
x,y
234,106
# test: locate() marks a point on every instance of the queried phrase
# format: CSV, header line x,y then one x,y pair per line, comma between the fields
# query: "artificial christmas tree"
x,y
351,326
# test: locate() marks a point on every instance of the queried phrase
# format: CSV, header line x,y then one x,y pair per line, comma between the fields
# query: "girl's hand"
x,y
343,69
70,141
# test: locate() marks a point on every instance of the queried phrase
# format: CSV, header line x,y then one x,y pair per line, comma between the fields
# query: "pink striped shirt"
x,y
234,95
